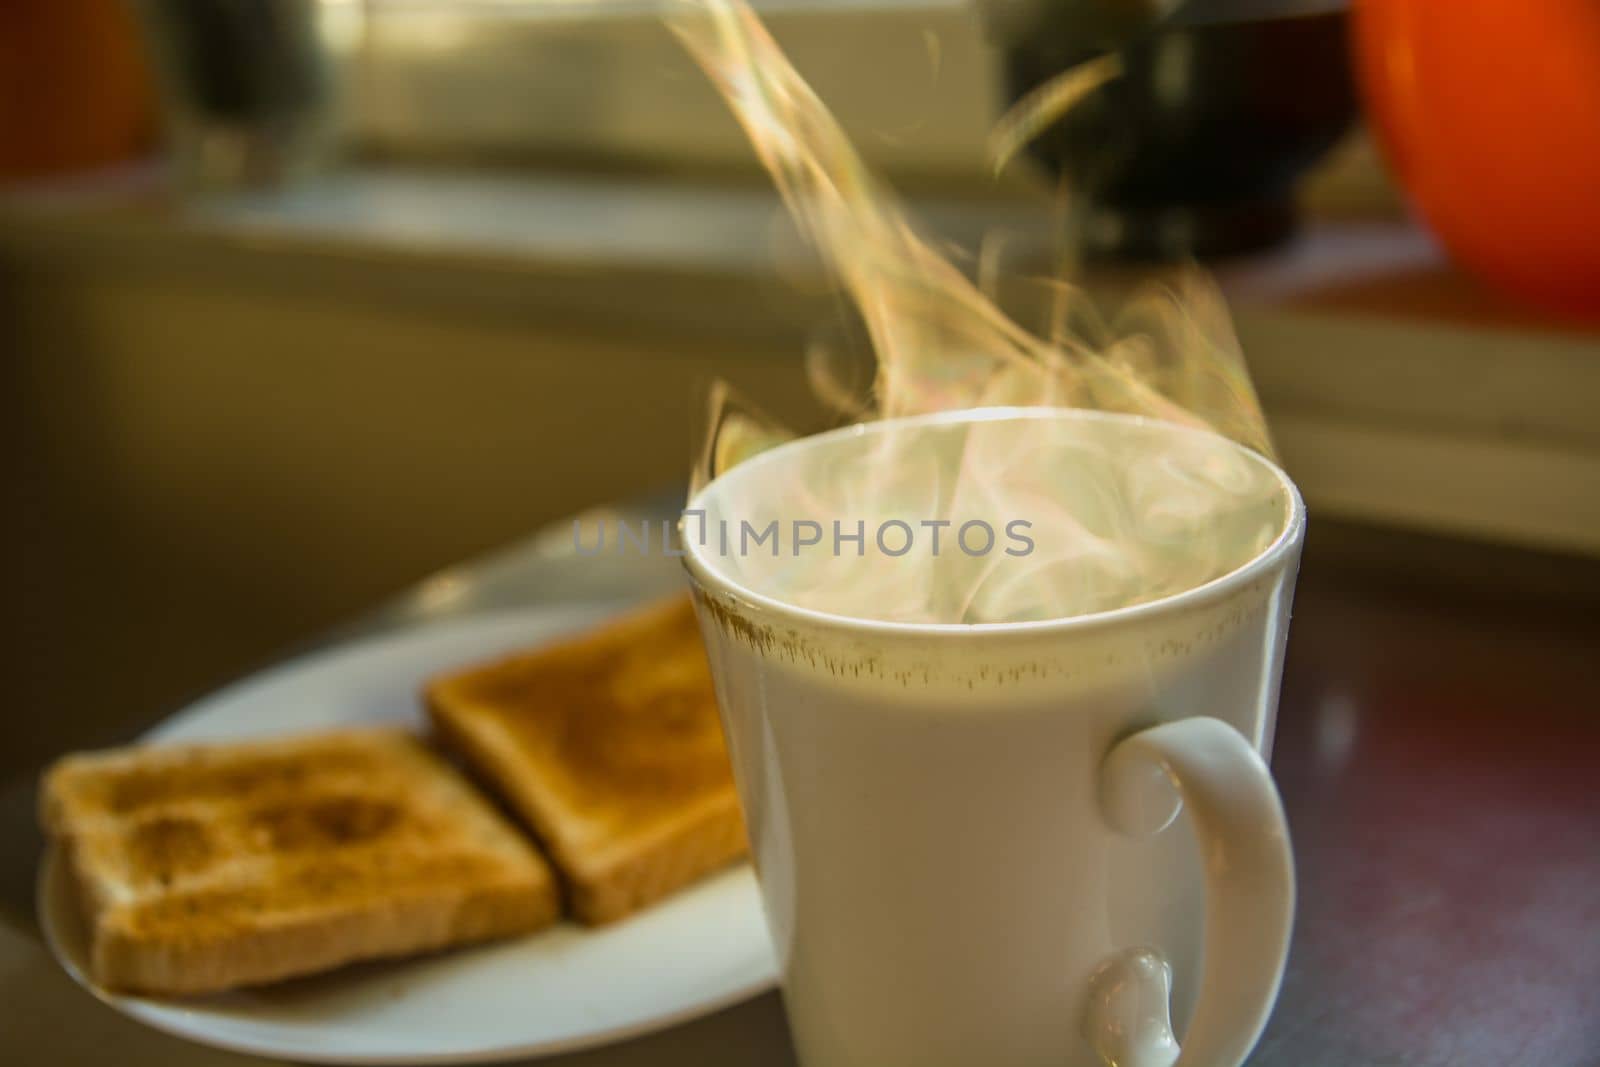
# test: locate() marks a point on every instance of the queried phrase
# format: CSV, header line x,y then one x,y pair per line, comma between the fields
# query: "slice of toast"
x,y
204,867
608,745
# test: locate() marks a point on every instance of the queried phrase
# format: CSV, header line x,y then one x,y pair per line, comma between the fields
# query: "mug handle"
x,y
1207,766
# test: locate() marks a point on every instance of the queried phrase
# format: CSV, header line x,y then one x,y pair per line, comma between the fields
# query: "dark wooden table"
x,y
1438,752
1438,748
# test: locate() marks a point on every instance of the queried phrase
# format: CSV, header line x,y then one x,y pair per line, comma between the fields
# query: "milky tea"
x,y
1009,516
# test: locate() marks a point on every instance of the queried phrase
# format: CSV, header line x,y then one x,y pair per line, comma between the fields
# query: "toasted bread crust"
x,y
550,730
202,868
123,959
701,841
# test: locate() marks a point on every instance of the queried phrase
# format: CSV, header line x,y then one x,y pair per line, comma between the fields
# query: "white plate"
x,y
563,989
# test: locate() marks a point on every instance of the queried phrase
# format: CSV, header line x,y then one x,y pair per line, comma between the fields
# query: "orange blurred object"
x,y
75,91
1489,111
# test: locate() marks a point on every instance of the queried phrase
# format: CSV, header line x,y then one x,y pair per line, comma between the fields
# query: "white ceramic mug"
x,y
1008,844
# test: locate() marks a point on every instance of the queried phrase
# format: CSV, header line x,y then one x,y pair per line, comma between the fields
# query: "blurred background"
x,y
302,300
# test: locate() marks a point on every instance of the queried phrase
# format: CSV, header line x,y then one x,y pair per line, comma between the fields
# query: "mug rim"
x,y
707,577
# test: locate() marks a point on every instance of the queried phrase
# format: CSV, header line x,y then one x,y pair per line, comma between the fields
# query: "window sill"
x,y
1398,391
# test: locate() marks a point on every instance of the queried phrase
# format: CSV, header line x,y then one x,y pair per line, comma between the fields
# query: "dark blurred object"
x,y
74,89
1490,115
246,85
1194,149
1099,24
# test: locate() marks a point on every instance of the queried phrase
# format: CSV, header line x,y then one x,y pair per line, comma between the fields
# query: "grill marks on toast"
x,y
239,904
623,722
198,775
203,867
235,821
609,747
170,845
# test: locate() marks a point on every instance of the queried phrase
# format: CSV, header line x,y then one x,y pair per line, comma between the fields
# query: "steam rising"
x,y
1115,511
1118,516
